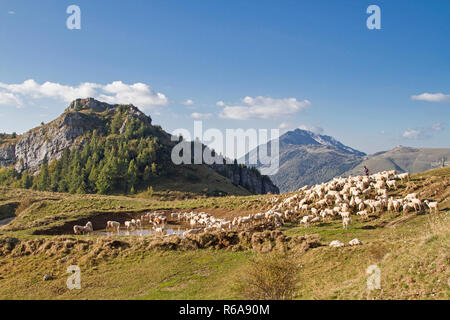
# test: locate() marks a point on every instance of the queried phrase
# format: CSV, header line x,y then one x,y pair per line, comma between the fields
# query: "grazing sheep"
x,y
355,242
336,244
89,228
138,223
83,229
346,222
397,205
391,184
129,225
114,225
432,205
364,214
417,204
403,176
315,219
306,219
345,214
408,207
78,229
411,196
361,206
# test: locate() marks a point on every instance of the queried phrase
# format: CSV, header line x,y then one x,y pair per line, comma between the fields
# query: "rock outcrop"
x,y
248,178
7,155
51,139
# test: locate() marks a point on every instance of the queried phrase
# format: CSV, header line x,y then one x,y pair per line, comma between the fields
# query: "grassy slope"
x,y
412,254
209,181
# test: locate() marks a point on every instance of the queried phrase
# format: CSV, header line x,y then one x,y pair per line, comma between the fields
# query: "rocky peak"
x,y
51,139
100,107
300,137
90,103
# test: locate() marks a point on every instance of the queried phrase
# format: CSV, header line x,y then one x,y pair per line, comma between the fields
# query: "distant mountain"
x,y
95,147
301,137
403,159
307,158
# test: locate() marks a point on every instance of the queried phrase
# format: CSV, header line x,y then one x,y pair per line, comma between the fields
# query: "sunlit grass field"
x,y
412,253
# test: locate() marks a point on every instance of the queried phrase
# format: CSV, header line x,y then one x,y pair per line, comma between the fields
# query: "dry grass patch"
x,y
270,276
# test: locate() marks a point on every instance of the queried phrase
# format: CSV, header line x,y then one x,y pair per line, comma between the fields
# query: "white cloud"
x,y
188,102
432,97
197,115
437,127
7,98
139,94
313,129
422,133
11,12
261,108
412,134
284,125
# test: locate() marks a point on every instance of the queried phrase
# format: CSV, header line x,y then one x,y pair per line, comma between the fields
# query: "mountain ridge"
x,y
307,158
119,129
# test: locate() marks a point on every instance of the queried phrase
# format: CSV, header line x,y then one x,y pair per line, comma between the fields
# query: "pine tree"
x,y
147,175
104,180
132,175
26,181
43,180
76,179
116,123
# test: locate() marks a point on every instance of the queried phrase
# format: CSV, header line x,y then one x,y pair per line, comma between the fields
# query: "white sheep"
x,y
346,222
391,184
336,244
78,229
114,225
355,242
345,214
138,223
403,176
129,225
89,228
432,205
364,214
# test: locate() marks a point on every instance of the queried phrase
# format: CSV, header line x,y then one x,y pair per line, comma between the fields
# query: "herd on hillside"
x,y
344,197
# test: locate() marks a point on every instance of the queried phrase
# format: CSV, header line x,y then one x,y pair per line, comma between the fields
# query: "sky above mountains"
x,y
236,64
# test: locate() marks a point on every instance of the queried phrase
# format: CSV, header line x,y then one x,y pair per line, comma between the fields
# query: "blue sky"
x,y
312,64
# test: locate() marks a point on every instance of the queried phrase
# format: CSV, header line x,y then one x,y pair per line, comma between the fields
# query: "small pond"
x,y
144,231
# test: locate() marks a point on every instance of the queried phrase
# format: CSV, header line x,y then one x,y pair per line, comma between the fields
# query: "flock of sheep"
x,y
344,197
358,195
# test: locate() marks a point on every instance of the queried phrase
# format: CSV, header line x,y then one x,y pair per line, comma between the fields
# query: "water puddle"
x,y
144,231
4,222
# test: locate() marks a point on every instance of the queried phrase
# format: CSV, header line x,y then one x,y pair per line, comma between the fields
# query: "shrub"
x,y
150,191
270,276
